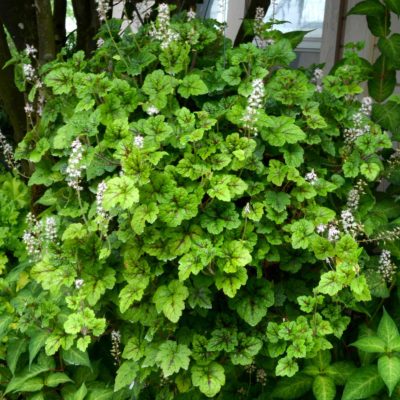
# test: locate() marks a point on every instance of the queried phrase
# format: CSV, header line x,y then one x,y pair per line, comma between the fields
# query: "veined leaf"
x,y
56,378
37,341
365,382
370,344
389,370
192,85
126,374
292,388
120,191
247,349
171,300
387,329
231,282
367,7
208,378
15,348
286,367
172,357
324,388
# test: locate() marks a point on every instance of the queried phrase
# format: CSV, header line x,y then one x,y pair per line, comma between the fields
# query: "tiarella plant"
x,y
209,225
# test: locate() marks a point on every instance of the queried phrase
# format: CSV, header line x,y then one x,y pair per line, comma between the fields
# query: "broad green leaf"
x,y
340,371
292,388
31,385
280,130
36,342
277,172
253,305
393,5
100,394
364,383
74,356
79,394
223,340
208,378
368,7
370,170
120,191
383,80
158,84
231,282
301,232
172,357
15,348
388,116
233,255
189,264
277,200
389,370
322,359
175,58
293,155
324,388
322,248
60,80
126,374
171,300
192,85
379,25
394,345
387,329
329,283
200,295
17,381
232,75
5,321
56,378
134,349
131,293
370,344
390,48
286,367
144,213
247,349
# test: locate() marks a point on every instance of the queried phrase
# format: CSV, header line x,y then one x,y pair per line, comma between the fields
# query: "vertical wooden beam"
x,y
332,33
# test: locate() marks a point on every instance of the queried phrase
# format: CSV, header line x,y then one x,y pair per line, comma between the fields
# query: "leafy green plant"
x,y
209,224
385,344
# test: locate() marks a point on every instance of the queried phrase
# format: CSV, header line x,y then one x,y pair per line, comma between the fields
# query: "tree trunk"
x,y
44,19
12,100
87,24
60,13
252,5
18,17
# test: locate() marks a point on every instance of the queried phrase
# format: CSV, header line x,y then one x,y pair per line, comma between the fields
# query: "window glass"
x,y
215,9
300,14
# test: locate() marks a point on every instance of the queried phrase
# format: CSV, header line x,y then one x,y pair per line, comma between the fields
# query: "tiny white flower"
x,y
333,233
75,166
321,228
191,15
30,50
79,283
152,110
311,177
386,267
139,141
254,104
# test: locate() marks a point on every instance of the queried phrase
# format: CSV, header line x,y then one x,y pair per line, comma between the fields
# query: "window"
x,y
304,15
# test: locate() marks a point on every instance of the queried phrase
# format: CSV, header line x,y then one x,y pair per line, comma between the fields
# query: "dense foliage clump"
x,y
209,225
